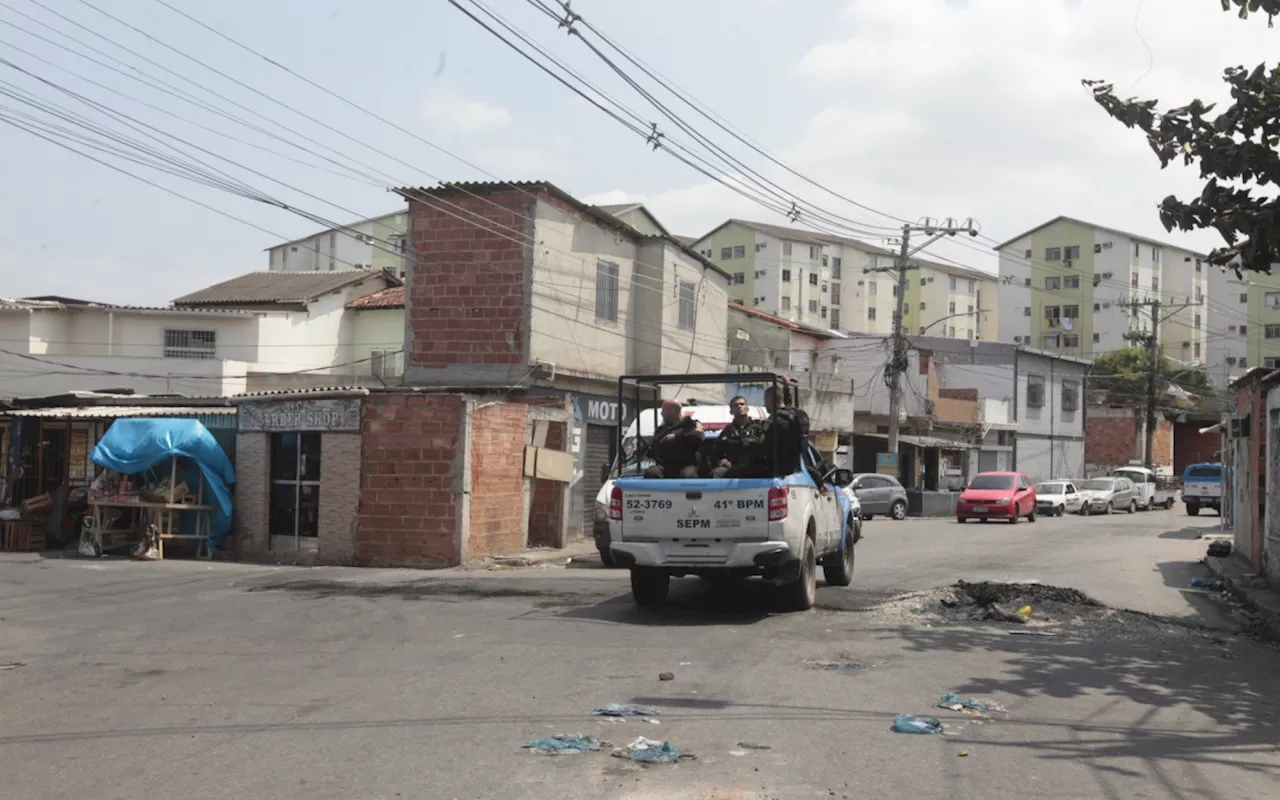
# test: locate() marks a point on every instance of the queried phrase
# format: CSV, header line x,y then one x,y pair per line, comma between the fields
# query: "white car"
x,y
1055,498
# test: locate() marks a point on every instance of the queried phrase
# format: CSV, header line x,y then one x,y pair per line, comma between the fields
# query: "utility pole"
x,y
1151,341
898,362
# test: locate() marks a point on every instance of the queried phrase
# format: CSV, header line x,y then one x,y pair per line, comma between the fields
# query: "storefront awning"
x,y
114,412
925,441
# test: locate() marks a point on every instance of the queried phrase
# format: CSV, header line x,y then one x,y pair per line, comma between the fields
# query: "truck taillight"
x,y
615,504
777,503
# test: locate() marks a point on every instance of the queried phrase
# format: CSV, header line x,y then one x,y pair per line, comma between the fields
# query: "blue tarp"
x,y
131,446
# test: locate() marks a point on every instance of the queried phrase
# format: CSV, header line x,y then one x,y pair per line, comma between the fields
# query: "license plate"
x,y
980,509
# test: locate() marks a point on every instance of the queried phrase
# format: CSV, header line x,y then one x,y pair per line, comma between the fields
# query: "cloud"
x,y
613,197
447,111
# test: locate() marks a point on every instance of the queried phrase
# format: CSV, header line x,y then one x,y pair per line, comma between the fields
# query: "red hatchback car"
x,y
997,495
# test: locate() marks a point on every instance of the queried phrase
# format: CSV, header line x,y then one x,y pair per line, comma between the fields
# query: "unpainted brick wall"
x,y
546,510
410,477
339,497
1110,440
466,303
251,493
498,437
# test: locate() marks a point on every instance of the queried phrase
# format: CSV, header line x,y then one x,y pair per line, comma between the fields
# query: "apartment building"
x,y
1067,286
375,243
820,280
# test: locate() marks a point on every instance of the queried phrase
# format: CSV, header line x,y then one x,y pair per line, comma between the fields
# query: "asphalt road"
x,y
195,680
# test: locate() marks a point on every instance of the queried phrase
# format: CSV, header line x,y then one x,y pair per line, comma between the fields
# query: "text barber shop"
x,y
298,463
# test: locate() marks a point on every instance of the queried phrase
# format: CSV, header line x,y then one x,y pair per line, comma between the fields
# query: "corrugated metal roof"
x,y
313,391
279,287
113,412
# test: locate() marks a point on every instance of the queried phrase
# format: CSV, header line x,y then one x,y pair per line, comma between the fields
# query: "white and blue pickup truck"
x,y
779,528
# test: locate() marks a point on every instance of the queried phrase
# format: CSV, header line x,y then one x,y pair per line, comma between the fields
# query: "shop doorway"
x,y
294,521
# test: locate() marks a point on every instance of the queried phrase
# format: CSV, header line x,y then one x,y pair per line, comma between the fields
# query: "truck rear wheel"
x,y
1193,509
837,568
801,594
649,586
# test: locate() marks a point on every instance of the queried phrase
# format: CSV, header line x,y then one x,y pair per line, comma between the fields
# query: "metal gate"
x,y
988,461
599,453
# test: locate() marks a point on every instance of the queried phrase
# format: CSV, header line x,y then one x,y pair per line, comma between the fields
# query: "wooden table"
x,y
163,514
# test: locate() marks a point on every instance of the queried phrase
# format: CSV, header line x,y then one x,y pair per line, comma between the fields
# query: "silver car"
x,y
1106,495
880,494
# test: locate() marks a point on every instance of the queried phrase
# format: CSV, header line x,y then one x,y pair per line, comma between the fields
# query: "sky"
x,y
938,108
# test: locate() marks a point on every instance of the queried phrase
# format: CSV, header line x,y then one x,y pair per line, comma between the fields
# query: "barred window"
x,y
190,344
688,305
606,291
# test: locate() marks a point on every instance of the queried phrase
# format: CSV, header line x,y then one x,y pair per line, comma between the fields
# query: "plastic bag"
x,y
626,710
89,547
648,751
563,744
910,723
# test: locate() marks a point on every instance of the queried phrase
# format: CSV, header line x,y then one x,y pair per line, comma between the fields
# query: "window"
x,y
953,284
1053,254
951,308
1244,330
1028,283
1198,265
1070,340
1244,297
739,278
835,269
835,318
190,344
739,251
951,331
1071,282
1052,283
786,248
271,258
871,314
384,364
826,260
824,287
1071,253
1196,350
1155,256
1097,337
814,252
1050,341
1071,312
894,290
1051,315
1155,283
824,312
813,306
871,289
1133,279
1035,391
1271,331
726,252
1097,248
760,246
1026,254
1244,362
760,273
688,305
786,303
786,276
1272,299
971,308
813,279
1199,294
1070,395
1197,322
1136,249
1097,306
973,286
922,305
968,333
606,291
1026,311
835,294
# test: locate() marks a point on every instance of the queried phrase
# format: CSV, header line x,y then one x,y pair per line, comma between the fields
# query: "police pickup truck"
x,y
779,528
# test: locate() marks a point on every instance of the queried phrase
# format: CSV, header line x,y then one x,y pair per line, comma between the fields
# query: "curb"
x,y
1269,628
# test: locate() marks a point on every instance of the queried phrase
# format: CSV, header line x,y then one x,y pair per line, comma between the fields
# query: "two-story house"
x,y
521,286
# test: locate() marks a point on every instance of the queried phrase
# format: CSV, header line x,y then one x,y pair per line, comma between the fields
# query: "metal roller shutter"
x,y
599,452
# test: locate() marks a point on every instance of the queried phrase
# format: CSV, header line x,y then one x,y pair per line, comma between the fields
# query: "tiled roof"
x,y
278,287
387,298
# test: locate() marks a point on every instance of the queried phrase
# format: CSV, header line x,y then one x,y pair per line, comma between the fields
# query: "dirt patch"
x,y
437,590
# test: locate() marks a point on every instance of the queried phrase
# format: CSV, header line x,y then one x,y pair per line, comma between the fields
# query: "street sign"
x,y
887,463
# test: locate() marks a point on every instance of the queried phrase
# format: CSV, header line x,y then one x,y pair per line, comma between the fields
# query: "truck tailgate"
x,y
696,511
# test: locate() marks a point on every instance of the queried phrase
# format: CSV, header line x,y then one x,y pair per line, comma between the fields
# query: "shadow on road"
x,y
1211,678
1185,533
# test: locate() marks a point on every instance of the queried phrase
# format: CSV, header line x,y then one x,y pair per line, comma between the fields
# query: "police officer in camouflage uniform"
x,y
675,445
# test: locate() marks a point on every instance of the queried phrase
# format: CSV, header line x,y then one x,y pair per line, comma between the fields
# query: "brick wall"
x,y
1109,441
546,507
339,497
251,493
497,521
1161,444
1192,447
410,481
466,294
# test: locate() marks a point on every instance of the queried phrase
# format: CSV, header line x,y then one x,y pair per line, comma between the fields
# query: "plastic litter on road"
x,y
910,723
970,706
1206,583
648,751
666,676
563,744
835,665
626,710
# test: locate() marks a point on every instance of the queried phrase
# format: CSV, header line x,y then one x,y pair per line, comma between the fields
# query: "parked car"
x,y
1055,498
997,495
1106,495
880,494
